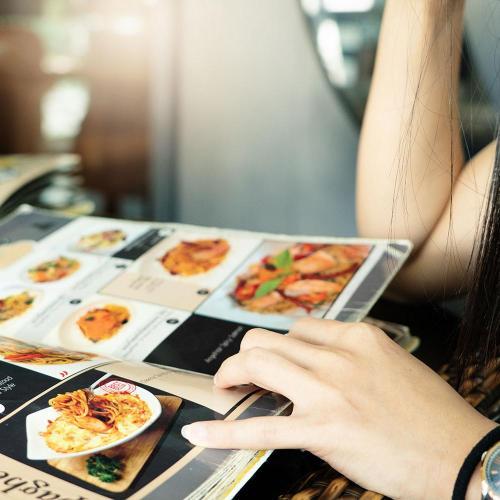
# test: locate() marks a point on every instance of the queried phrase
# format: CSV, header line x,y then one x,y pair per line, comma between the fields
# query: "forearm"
x,y
410,149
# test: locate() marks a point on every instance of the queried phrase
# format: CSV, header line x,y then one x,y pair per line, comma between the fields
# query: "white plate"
x,y
151,264
70,334
115,247
13,290
66,281
37,422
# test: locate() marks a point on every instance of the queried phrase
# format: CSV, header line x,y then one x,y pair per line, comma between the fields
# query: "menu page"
x,y
112,429
84,301
173,294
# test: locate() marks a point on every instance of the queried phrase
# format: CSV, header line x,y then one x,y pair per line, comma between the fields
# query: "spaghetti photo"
x,y
16,351
88,421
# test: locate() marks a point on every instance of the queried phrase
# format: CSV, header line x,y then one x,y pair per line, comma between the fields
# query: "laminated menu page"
x,y
77,426
172,294
111,330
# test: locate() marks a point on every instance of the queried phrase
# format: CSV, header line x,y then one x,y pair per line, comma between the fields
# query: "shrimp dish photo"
x,y
304,276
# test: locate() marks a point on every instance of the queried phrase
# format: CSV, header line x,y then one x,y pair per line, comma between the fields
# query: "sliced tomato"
x,y
245,291
22,357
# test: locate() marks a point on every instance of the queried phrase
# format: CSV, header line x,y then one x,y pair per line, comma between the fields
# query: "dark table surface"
x,y
436,328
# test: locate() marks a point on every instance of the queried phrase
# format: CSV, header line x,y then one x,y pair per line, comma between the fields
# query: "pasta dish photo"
x,y
15,305
88,421
103,240
304,276
53,270
103,323
189,258
16,351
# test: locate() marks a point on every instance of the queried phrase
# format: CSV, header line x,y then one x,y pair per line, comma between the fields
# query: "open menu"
x,y
111,330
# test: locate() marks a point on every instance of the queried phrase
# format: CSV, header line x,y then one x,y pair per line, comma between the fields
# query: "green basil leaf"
x,y
283,260
268,287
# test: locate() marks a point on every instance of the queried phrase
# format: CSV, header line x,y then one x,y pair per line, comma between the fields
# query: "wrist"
x,y
468,483
474,488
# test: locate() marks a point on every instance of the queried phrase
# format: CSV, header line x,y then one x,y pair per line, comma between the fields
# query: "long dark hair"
x,y
478,337
478,341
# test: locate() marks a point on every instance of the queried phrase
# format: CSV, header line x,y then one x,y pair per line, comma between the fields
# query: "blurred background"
x,y
218,112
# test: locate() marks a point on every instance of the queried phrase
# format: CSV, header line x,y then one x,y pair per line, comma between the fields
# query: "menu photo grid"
x,y
176,295
109,433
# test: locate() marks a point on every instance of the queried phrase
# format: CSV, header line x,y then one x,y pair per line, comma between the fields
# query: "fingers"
x,y
259,433
351,339
319,332
301,353
268,370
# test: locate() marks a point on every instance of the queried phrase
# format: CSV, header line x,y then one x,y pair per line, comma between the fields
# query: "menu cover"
x,y
110,331
18,171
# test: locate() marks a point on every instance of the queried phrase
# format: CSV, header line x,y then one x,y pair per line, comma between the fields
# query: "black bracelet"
x,y
470,463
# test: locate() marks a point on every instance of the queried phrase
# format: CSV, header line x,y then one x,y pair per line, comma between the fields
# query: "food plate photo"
x,y
57,270
85,421
17,303
285,281
203,259
103,321
102,237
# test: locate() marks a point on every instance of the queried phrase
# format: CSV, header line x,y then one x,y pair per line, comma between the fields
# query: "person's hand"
x,y
367,407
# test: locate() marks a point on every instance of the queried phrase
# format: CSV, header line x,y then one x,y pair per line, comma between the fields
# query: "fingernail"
x,y
194,433
215,379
